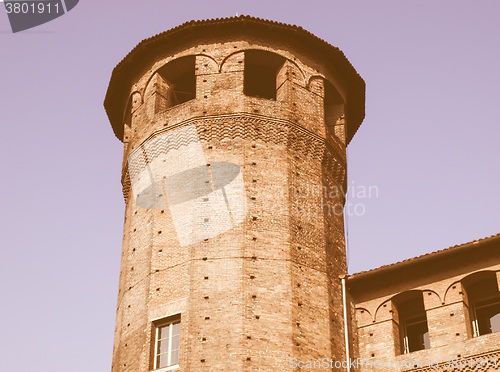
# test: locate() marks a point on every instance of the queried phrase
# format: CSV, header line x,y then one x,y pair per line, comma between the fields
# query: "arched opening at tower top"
x,y
334,105
334,112
261,69
179,77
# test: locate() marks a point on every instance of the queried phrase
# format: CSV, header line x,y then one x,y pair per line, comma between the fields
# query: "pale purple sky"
x,y
429,143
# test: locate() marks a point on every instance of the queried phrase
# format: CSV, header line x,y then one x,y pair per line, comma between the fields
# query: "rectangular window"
x,y
167,344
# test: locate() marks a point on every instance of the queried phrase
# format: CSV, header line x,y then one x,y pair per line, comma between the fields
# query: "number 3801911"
x,y
29,7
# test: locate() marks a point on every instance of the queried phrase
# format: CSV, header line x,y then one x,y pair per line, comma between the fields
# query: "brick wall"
x,y
448,313
268,289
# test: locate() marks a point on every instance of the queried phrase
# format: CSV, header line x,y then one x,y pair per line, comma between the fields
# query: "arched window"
x,y
334,106
334,112
173,84
484,302
261,69
413,329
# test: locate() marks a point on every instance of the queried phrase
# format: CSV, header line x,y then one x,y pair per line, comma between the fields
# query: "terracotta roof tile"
x,y
188,24
439,252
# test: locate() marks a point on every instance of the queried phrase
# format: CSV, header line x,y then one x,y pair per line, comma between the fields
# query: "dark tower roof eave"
x,y
120,82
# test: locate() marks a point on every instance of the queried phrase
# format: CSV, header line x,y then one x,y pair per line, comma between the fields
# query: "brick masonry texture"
x,y
268,289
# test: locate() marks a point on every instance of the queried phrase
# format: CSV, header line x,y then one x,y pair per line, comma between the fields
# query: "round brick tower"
x,y
234,135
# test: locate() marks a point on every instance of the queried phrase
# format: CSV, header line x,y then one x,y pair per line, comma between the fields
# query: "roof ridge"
x,y
475,241
224,20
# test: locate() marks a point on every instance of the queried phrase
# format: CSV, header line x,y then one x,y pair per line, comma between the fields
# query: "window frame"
x,y
410,322
483,303
481,290
157,327
410,311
